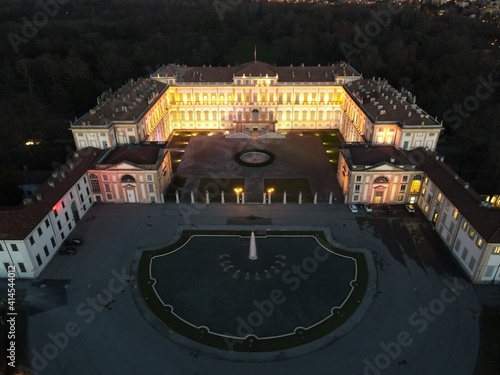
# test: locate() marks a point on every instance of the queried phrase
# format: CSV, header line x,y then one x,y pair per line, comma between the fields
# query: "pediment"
x,y
384,167
124,166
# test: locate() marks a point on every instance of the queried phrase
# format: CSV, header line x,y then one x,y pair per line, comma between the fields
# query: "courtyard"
x,y
416,313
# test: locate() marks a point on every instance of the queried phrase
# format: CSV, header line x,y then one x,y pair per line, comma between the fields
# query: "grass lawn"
x,y
331,143
292,186
216,185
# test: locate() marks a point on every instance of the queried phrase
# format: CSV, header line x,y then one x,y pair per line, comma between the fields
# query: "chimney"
x,y
63,174
39,196
26,201
54,174
71,165
441,158
51,183
466,185
393,160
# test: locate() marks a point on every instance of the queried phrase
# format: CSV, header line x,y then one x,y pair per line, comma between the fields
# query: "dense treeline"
x,y
54,70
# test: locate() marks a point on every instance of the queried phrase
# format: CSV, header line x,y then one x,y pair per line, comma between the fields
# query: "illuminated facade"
x,y
32,234
466,222
257,99
131,174
377,174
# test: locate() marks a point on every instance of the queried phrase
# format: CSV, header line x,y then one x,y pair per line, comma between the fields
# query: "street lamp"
x,y
269,192
238,191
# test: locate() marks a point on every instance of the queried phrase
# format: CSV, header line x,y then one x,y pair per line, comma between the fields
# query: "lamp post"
x,y
238,190
269,193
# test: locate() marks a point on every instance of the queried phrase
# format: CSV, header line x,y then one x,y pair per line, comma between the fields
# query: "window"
x,y
39,230
455,214
39,260
402,188
107,187
488,272
66,216
62,235
105,177
53,241
496,250
358,178
69,226
447,205
47,223
14,247
415,185
32,240
84,179
81,197
472,232
6,265
149,177
63,205
94,183
405,178
59,225
472,263
464,253
46,250
381,179
71,195
78,186
21,266
109,197
54,210
151,188
457,245
479,242
84,208
356,188
127,178
90,200
355,198
439,197
153,199
401,197
464,226
87,190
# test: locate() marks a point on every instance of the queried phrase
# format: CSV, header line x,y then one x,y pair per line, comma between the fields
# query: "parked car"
x,y
367,207
388,209
410,208
67,251
353,208
73,242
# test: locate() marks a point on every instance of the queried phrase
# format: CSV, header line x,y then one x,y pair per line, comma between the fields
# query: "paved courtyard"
x,y
295,157
422,320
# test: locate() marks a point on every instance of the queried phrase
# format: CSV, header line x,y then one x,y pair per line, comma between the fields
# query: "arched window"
x,y
127,178
94,183
381,180
415,184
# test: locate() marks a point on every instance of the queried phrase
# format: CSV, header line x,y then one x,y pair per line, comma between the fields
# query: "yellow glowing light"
x,y
329,151
238,190
270,190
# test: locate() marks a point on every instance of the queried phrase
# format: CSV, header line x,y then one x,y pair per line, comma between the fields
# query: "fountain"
x,y
253,247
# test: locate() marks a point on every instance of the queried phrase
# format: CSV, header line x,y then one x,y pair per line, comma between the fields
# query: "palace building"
x,y
388,153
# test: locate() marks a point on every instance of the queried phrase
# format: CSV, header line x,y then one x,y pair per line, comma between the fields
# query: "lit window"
x,y
415,185
455,214
472,233
496,250
426,209
479,242
439,197
464,226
